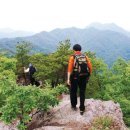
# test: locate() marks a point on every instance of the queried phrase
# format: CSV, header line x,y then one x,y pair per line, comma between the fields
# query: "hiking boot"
x,y
74,108
81,112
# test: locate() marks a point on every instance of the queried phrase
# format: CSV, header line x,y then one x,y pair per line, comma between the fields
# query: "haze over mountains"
x,y
108,41
111,26
10,33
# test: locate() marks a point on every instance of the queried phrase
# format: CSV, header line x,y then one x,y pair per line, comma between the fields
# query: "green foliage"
x,y
96,84
59,89
53,67
17,102
7,69
20,101
22,55
7,64
115,86
111,83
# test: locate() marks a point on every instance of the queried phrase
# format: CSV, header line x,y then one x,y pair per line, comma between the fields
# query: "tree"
x,y
53,67
18,102
117,86
22,55
95,86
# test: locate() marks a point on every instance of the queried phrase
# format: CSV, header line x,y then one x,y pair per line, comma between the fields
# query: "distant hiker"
x,y
79,70
31,70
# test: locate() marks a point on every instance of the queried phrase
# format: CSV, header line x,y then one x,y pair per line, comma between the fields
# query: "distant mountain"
x,y
107,44
10,33
110,26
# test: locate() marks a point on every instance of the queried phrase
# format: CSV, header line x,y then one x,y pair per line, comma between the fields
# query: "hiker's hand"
x,y
68,82
24,69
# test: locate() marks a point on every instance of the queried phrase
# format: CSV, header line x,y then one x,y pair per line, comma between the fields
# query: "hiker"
x,y
31,70
79,71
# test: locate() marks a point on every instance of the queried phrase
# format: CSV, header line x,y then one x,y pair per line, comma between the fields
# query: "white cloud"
x,y
39,15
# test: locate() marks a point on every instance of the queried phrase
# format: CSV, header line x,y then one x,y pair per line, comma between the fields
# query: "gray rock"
x,y
64,118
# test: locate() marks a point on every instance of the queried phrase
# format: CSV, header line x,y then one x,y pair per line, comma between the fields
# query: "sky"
x,y
46,15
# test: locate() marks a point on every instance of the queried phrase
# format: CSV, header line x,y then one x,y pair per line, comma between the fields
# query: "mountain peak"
x,y
107,26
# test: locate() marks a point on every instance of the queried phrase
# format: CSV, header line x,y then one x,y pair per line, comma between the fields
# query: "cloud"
x,y
38,15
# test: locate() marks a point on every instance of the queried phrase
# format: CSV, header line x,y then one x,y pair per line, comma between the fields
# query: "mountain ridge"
x,y
109,26
107,44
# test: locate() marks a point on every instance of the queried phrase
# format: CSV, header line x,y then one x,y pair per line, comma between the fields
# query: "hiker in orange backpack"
x,y
79,71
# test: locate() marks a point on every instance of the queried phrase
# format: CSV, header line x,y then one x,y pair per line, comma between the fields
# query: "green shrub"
x,y
19,101
102,123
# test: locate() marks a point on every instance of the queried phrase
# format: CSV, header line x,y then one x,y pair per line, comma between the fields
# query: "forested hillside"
x,y
108,42
18,101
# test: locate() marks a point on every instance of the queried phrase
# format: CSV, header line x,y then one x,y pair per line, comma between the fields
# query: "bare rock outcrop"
x,y
4,126
63,117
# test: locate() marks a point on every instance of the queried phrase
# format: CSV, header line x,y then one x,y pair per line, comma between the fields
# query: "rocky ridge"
x,y
62,117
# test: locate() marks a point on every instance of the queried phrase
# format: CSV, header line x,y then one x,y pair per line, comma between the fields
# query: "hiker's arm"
x,y
26,70
70,68
89,65
68,78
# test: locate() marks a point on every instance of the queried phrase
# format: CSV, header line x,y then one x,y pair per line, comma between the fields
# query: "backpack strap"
x,y
76,64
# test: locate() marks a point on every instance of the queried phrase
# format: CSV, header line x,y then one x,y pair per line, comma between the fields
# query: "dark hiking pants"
x,y
75,83
32,80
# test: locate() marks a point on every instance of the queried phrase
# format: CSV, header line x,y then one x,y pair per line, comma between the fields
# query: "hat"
x,y
30,64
